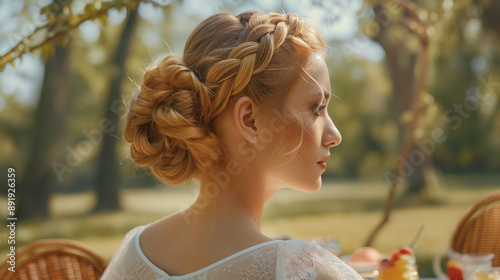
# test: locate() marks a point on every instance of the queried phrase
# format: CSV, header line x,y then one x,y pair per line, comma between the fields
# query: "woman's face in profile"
x,y
302,170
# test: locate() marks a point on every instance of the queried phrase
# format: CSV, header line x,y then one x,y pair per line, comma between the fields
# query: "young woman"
x,y
244,113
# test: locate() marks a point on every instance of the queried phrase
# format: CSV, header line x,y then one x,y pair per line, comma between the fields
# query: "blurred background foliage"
x,y
61,104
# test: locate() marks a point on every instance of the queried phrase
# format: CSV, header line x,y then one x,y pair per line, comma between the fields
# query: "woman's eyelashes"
x,y
318,108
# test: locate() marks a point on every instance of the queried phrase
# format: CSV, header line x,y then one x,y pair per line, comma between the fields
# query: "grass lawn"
x,y
344,210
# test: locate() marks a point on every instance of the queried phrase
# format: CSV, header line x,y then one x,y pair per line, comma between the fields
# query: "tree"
x,y
401,62
46,146
47,138
419,29
446,33
107,183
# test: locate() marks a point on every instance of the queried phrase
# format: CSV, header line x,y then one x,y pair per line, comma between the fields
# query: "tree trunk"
x,y
401,66
47,140
108,179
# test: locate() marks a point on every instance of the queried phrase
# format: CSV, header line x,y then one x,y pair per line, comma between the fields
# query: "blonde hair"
x,y
170,119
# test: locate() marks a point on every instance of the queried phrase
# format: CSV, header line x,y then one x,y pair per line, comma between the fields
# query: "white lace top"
x,y
277,259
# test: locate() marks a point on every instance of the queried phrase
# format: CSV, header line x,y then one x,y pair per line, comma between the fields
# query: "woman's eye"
x,y
318,109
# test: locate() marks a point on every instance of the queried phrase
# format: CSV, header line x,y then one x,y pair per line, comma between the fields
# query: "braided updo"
x,y
170,120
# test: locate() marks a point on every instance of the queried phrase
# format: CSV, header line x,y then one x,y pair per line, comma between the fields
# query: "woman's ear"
x,y
244,118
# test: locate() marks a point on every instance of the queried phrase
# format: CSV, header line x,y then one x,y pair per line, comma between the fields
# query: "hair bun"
x,y
163,123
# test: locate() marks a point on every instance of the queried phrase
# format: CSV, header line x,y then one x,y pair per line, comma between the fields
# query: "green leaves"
x,y
60,22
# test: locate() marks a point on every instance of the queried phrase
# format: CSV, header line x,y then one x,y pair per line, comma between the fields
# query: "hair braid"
x,y
232,75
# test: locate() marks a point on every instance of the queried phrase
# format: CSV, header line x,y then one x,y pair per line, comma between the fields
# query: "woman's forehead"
x,y
313,79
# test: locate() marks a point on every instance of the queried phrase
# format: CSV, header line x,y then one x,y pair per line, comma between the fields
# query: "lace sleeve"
x,y
300,259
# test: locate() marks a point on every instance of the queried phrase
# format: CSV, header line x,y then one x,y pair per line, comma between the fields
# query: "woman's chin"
x,y
310,187
318,184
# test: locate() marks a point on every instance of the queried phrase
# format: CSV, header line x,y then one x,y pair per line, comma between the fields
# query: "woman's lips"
x,y
322,162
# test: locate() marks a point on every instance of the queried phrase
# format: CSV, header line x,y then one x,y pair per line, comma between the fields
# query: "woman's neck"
x,y
229,204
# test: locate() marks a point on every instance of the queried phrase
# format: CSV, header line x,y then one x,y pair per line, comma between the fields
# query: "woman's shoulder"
x,y
128,263
127,245
310,261
298,247
129,236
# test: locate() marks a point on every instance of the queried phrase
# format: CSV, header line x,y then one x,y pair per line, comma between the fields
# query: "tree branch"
x,y
22,47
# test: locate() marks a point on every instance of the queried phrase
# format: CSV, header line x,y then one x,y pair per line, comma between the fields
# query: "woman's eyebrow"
x,y
316,94
326,93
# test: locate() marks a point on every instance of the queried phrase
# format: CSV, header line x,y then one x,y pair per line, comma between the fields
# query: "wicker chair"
x,y
55,259
479,229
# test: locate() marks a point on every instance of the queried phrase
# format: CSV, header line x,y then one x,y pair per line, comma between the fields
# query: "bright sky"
x,y
337,19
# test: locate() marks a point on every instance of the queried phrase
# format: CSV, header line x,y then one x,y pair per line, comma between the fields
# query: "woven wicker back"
x,y
479,229
55,259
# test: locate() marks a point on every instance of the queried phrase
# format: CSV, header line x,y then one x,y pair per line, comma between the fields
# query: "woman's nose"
x,y
331,135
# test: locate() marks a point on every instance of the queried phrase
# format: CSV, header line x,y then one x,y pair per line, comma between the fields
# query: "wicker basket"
x,y
479,229
55,259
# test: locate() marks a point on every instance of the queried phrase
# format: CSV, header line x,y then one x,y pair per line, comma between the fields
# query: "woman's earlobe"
x,y
244,118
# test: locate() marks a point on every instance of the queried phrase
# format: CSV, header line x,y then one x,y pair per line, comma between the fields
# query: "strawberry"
x,y
454,273
406,251
394,256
